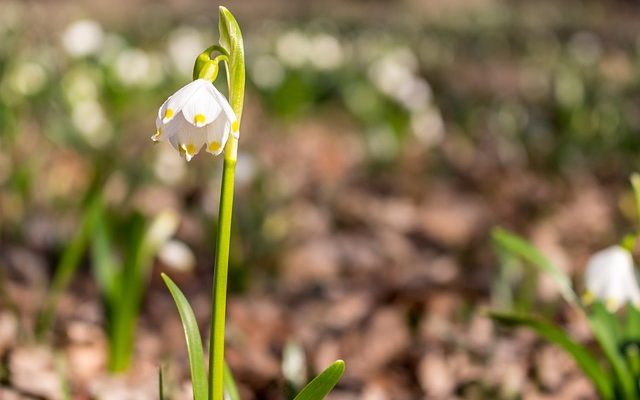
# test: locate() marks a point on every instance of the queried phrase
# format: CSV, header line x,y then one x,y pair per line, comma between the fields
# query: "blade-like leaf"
x,y
160,384
194,342
585,359
606,335
104,264
230,387
519,246
322,384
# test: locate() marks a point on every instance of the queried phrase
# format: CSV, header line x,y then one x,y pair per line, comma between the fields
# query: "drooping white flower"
x,y
610,277
196,114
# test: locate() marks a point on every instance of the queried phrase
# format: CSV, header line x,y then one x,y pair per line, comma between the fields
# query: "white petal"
x,y
166,131
217,135
177,101
202,108
610,277
228,111
161,111
190,139
174,142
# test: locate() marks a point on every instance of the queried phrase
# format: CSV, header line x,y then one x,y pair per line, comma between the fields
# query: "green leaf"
x,y
322,384
522,248
160,383
604,328
104,264
585,359
230,384
194,342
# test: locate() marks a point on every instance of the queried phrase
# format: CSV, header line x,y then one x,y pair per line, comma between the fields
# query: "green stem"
x,y
216,339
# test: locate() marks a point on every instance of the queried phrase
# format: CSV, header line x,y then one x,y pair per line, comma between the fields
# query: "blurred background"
x,y
381,143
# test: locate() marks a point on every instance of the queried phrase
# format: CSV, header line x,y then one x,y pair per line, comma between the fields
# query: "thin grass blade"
x,y
230,387
194,342
521,247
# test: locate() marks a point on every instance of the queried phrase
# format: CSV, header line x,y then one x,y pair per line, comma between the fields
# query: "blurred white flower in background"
x,y
325,52
135,67
267,72
322,51
177,256
89,119
292,49
610,277
25,78
184,46
162,228
395,75
83,38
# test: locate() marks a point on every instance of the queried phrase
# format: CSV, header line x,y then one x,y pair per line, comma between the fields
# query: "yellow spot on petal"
x,y
235,126
213,147
168,114
588,298
181,150
612,304
199,119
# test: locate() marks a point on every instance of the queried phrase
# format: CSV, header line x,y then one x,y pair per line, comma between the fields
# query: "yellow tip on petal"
x,y
199,119
612,304
588,298
235,126
188,151
168,114
213,147
157,135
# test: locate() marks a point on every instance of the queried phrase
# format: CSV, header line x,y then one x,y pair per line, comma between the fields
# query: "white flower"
x,y
610,277
83,38
196,114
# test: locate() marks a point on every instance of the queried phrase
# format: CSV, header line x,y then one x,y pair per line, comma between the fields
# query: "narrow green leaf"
x,y
160,384
194,342
606,335
585,359
322,384
105,266
521,247
230,387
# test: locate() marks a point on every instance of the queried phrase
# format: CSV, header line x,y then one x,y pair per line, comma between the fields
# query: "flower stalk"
x,y
231,42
